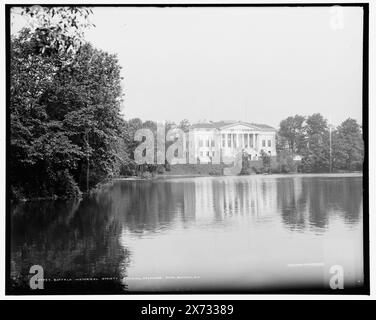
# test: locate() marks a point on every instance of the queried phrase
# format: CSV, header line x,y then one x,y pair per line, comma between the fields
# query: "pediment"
x,y
240,126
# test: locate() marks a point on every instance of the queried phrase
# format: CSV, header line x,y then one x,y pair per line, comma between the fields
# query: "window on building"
x,y
269,143
263,143
212,143
213,153
200,143
207,153
207,142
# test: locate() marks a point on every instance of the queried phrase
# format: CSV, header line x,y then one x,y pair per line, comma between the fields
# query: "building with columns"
x,y
229,138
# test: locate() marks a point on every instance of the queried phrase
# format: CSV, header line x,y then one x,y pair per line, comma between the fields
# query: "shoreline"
x,y
163,176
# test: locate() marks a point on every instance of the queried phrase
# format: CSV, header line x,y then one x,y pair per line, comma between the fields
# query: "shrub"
x,y
286,162
307,164
356,165
247,171
266,162
16,193
127,169
146,175
257,170
275,168
215,172
161,170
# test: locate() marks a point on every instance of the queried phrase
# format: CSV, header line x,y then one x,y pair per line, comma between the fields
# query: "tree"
x,y
184,125
292,131
285,162
316,124
266,161
316,154
312,141
56,30
131,127
64,111
39,147
281,144
86,97
316,157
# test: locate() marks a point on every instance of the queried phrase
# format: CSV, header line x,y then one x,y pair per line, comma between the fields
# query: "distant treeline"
x,y
323,147
67,132
304,144
320,146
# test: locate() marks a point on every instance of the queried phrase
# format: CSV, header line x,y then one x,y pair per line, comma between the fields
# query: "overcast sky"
x,y
255,64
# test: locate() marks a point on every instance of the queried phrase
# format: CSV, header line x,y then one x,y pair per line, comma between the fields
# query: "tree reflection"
x,y
149,205
90,238
303,202
310,202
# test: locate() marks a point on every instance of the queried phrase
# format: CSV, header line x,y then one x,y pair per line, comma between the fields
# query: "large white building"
x,y
230,137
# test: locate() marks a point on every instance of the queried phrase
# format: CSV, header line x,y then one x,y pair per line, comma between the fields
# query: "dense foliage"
x,y
129,167
322,148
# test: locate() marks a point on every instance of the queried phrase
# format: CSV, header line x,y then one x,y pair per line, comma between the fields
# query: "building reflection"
x,y
300,202
227,197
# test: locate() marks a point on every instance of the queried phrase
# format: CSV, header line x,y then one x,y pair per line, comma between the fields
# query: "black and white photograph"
x,y
187,149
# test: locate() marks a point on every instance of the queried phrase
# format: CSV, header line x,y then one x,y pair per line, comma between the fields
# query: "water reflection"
x,y
221,229
309,203
72,241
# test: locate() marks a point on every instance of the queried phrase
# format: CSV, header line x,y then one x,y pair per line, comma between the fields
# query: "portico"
x,y
229,138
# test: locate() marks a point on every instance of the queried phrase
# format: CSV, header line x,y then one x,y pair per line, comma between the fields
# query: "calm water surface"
x,y
251,233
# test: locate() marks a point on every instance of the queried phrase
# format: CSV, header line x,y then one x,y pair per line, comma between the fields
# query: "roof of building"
x,y
222,124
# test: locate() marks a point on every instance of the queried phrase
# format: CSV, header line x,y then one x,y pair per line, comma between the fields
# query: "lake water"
x,y
202,234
